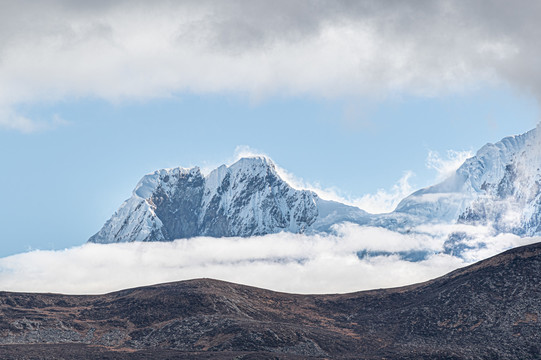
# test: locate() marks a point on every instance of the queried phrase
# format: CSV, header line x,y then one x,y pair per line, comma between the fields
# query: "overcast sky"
x,y
61,50
369,100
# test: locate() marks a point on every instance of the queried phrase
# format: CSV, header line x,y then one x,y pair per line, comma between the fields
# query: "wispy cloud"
x,y
384,201
10,120
446,166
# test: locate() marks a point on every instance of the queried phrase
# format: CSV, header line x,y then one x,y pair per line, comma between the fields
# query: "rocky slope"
x,y
489,310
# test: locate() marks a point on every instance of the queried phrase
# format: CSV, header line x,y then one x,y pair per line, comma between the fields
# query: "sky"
x,y
364,100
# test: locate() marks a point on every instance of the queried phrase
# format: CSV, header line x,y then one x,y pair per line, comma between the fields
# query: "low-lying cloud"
x,y
283,262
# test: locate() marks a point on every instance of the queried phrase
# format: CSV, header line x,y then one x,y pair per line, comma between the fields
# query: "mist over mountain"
x,y
498,189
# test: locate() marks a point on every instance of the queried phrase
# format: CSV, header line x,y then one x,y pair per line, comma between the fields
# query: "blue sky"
x,y
95,96
62,184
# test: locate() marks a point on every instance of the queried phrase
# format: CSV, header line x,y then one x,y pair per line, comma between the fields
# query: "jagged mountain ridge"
x,y
498,187
489,310
511,201
245,199
449,199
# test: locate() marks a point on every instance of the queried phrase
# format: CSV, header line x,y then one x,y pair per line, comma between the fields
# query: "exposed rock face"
x,y
248,198
490,310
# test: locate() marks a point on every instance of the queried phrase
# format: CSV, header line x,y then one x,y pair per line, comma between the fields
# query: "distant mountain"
x,y
247,198
500,187
511,197
490,310
507,170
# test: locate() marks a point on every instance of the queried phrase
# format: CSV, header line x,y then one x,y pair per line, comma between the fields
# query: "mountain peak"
x,y
257,163
247,198
149,183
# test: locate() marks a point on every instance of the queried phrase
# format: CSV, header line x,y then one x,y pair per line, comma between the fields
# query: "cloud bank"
x,y
55,49
283,262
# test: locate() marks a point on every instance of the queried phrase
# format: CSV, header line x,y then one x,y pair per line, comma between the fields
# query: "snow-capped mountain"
x,y
247,198
476,178
499,187
510,201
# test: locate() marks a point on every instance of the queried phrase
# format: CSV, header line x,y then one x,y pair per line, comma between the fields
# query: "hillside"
x,y
488,310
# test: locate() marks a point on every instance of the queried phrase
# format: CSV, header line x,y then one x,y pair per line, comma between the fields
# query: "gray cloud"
x,y
52,50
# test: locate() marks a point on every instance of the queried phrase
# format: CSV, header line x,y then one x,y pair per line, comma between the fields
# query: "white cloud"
x,y
53,50
245,151
445,167
384,201
13,121
486,246
283,262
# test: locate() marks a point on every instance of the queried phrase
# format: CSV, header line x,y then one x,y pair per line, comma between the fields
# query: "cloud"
x,y
283,262
445,167
484,247
245,151
12,121
384,201
54,50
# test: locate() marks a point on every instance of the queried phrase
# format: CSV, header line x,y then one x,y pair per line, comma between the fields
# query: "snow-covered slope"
x,y
510,198
500,187
244,199
447,200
